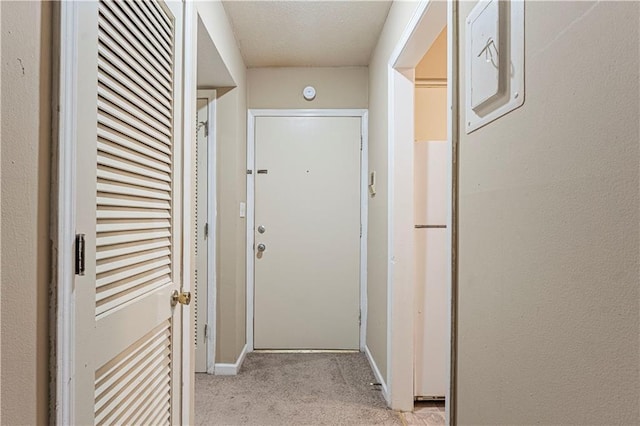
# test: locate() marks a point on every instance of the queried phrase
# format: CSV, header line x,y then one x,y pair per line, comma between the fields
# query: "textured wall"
x,y
549,229
26,138
282,87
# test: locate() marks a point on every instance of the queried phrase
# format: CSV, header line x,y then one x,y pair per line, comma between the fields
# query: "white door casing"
x,y
121,339
200,228
205,189
309,282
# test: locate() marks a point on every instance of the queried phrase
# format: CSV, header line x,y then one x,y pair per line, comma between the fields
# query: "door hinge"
x,y
361,143
360,230
204,124
206,230
206,330
80,254
360,318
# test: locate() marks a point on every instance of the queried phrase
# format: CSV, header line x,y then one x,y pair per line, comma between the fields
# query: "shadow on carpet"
x,y
294,389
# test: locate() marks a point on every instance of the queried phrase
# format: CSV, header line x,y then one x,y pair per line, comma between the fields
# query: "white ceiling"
x,y
276,33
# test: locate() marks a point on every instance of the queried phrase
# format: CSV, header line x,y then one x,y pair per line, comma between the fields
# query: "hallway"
x,y
294,389
302,389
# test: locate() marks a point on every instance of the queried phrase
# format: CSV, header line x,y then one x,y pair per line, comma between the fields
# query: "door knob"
x,y
183,297
261,247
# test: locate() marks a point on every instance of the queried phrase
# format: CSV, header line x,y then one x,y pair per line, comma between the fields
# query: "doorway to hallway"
x,y
423,120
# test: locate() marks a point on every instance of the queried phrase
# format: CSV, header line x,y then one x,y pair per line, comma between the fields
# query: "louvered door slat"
x,y
136,97
157,417
128,260
122,274
135,380
129,119
132,108
108,187
107,57
133,75
117,45
118,124
118,155
161,17
111,72
133,47
133,214
140,377
127,237
106,173
143,14
107,16
125,201
115,250
161,46
130,225
136,33
153,404
121,383
158,20
113,371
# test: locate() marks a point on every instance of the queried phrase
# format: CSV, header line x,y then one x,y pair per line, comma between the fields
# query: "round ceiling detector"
x,y
309,93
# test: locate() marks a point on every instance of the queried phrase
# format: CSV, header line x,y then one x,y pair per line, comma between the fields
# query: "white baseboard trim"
x,y
221,369
376,372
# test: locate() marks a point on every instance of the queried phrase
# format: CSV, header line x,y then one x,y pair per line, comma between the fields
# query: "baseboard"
x,y
221,369
376,372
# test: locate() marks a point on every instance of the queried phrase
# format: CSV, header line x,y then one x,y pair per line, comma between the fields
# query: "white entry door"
x,y
307,232
127,340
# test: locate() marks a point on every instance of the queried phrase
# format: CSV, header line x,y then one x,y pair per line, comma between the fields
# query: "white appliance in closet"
x,y
431,211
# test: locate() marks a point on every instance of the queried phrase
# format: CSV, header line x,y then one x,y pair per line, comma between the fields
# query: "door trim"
x,y
363,114
63,213
212,214
406,55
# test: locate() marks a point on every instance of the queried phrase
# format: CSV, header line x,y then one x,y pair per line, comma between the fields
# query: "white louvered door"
x,y
127,335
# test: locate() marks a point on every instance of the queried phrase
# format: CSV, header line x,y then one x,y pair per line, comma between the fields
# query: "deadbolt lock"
x,y
183,297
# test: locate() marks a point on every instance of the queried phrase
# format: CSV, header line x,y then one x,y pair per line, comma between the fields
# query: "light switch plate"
x,y
494,65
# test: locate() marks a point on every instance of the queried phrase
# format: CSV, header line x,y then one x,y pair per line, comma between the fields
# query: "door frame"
x,y
409,50
252,114
63,214
212,236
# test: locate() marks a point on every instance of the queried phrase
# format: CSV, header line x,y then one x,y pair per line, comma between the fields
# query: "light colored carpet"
x,y
294,389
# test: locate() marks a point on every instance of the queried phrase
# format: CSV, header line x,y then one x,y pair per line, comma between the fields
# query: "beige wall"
x,y
430,113
378,254
549,229
344,87
26,135
231,113
434,63
431,99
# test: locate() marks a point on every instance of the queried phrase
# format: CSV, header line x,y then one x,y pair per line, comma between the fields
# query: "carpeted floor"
x,y
294,389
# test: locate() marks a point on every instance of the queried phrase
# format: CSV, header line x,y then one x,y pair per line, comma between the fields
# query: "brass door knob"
x,y
183,297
